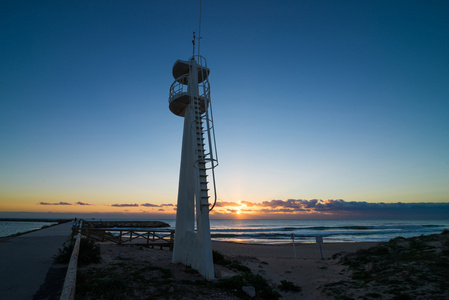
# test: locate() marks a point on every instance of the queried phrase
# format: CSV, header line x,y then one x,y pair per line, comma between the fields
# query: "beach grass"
x,y
132,278
139,280
89,252
288,286
413,268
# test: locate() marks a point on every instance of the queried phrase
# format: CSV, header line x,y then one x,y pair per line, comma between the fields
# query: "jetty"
x,y
27,260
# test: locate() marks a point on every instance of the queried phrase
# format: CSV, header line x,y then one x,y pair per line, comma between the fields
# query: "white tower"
x,y
190,98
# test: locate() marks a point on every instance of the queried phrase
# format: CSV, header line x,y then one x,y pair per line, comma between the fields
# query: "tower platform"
x,y
181,67
179,91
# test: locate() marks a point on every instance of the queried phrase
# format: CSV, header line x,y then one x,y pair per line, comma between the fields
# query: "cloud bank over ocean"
x,y
330,208
285,209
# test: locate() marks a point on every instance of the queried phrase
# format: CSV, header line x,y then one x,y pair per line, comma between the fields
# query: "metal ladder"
x,y
200,162
205,136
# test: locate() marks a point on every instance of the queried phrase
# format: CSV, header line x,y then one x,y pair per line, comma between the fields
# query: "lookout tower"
x,y
190,98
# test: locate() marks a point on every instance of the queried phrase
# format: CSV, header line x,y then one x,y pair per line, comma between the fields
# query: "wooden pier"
x,y
134,236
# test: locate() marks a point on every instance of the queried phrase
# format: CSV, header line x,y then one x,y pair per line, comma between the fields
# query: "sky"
x,y
321,108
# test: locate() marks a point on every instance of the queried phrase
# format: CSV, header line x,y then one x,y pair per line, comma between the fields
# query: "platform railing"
x,y
146,237
200,60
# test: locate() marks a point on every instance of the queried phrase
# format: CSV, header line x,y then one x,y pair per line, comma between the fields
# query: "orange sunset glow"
x,y
273,209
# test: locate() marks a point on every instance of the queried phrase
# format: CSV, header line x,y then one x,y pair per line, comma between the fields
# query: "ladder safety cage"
x,y
209,158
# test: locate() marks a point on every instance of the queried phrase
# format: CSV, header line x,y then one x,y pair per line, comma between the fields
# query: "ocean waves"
x,y
281,231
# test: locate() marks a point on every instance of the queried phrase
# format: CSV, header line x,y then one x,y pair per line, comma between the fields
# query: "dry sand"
x,y
277,262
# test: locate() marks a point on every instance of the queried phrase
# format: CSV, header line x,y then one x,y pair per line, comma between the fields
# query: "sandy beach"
x,y
274,262
412,268
277,262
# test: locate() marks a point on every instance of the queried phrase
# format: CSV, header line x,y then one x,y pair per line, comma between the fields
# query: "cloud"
x,y
296,205
224,203
144,205
273,203
280,210
125,205
82,203
149,205
56,203
63,203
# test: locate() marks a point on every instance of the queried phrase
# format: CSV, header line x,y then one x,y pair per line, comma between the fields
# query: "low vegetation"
x,y
288,286
128,278
123,280
246,277
413,268
235,265
89,252
132,279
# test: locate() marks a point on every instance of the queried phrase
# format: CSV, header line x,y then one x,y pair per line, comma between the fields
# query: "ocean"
x,y
306,231
8,228
280,231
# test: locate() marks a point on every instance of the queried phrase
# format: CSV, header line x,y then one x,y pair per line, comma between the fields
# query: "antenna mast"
x,y
199,31
193,43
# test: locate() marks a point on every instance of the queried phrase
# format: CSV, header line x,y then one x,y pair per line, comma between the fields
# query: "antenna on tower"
x,y
199,31
193,42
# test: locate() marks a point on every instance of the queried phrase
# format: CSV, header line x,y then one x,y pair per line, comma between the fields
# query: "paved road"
x,y
26,259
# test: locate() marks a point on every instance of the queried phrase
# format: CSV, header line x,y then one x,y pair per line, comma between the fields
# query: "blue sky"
x,y
312,100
